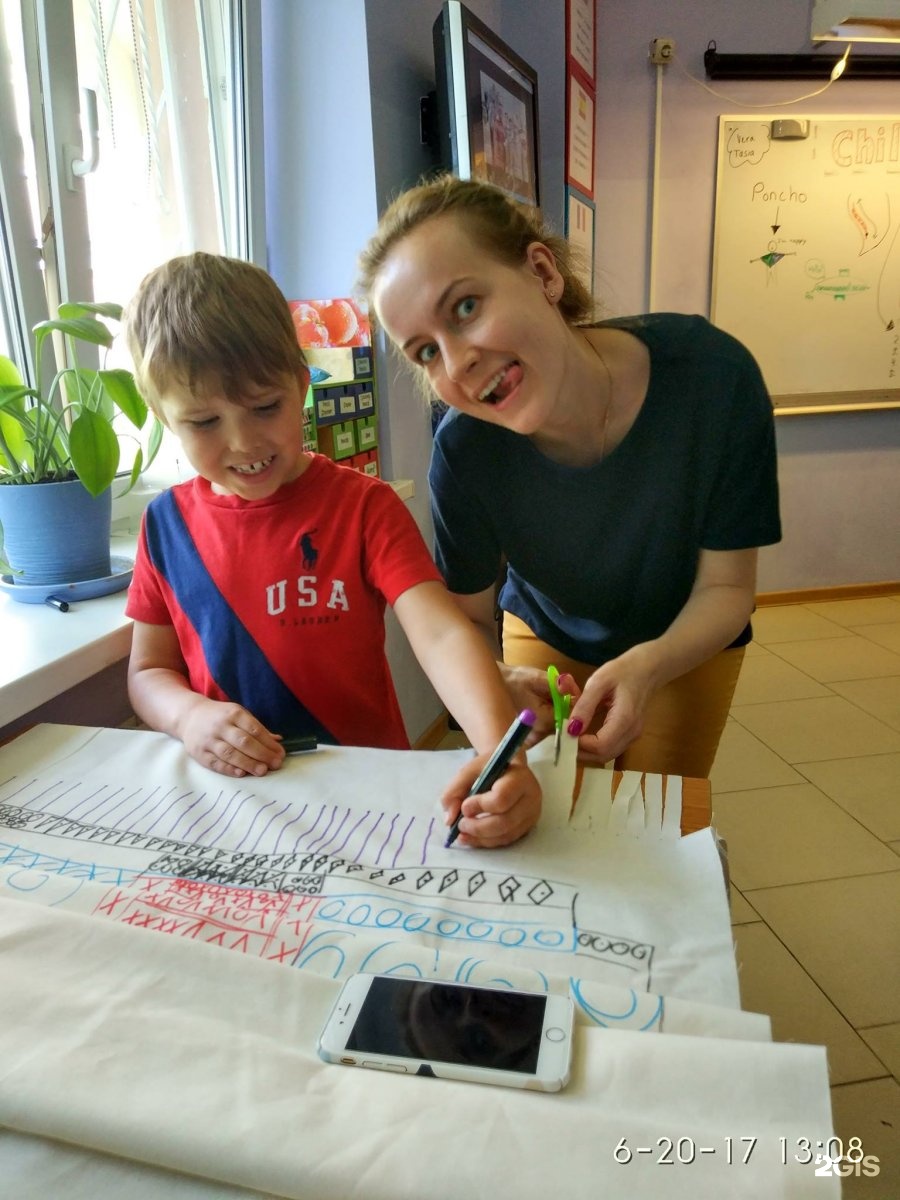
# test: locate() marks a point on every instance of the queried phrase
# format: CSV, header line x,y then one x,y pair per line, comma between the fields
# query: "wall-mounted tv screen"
x,y
487,105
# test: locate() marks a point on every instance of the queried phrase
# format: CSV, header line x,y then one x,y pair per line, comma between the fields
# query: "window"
x,y
126,149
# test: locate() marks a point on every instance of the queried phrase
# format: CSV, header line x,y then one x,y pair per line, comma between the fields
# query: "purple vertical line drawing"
x,y
24,787
268,827
293,821
412,821
337,833
183,816
258,813
386,840
166,811
314,843
50,800
428,833
220,837
70,813
340,848
306,833
362,849
204,838
125,799
141,809
187,832
100,803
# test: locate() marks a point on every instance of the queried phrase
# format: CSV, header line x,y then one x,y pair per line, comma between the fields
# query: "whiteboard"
x,y
806,260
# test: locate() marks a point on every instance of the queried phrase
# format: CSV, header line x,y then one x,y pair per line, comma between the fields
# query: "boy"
x,y
259,586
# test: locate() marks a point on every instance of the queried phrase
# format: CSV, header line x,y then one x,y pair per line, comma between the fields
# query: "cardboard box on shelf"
x,y
338,441
347,403
365,399
367,433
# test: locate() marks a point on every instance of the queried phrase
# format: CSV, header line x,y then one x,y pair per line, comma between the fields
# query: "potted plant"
x,y
59,454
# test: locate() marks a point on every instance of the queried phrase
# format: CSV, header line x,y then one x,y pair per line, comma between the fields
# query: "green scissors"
x,y
561,706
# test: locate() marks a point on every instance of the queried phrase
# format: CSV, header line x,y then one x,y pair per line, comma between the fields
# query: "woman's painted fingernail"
x,y
575,726
564,679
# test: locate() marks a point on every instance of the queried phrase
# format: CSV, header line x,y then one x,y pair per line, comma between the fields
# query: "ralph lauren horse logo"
x,y
310,553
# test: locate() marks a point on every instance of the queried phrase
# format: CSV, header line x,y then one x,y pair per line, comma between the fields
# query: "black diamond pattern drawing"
x,y
476,881
508,887
540,892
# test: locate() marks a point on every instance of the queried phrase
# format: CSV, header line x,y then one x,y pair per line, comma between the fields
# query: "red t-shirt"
x,y
278,604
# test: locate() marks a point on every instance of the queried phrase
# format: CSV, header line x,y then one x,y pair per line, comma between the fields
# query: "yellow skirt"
x,y
683,720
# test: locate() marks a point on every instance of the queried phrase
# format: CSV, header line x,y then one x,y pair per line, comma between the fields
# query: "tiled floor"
x,y
806,791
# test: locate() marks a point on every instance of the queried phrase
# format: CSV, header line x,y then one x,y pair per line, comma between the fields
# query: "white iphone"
x,y
452,1031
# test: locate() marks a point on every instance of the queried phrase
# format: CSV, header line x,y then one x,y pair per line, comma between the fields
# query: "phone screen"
x,y
450,1023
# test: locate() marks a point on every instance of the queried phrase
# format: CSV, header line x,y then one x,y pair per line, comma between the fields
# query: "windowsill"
x,y
46,652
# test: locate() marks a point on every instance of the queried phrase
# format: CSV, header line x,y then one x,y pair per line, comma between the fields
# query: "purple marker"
x,y
497,763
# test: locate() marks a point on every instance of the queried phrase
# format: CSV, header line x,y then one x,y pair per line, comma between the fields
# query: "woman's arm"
x,y
456,659
718,608
218,734
527,685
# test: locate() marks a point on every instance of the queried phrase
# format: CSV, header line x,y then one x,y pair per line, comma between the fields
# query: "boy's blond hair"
x,y
203,322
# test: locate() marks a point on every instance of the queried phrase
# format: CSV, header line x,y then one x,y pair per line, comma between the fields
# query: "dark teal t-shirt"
x,y
603,557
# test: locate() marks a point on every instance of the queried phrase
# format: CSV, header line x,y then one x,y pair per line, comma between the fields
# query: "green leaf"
x,y
122,390
14,439
10,376
83,329
81,385
12,399
78,308
156,437
136,469
95,451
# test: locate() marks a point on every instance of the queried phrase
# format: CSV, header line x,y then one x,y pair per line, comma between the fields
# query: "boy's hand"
x,y
530,688
227,738
498,817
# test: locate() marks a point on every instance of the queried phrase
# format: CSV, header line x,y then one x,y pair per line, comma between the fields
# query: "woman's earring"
x,y
551,293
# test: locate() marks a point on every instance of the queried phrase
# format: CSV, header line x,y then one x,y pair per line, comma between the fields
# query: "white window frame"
x,y
49,36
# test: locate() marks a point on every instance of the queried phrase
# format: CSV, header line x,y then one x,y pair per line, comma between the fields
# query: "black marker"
x,y
497,763
300,745
303,744
56,602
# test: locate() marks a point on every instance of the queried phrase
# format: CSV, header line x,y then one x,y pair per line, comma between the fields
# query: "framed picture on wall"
x,y
580,235
580,137
581,40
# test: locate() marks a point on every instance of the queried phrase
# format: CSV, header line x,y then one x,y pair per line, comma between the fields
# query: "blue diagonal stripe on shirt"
x,y
233,657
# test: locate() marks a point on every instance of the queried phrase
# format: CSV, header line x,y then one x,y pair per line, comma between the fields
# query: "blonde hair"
x,y
500,225
204,322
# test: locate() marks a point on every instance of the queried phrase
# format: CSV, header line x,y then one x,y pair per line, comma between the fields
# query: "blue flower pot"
x,y
55,532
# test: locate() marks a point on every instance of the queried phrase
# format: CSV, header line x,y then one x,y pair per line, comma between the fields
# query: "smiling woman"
x,y
622,473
